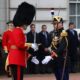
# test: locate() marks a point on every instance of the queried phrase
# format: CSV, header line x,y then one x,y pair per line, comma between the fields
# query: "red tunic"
x,y
6,39
17,56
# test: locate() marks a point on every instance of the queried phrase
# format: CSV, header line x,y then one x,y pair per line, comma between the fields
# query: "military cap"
x,y
8,22
57,19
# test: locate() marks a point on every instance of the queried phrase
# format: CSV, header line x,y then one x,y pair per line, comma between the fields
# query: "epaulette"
x,y
63,33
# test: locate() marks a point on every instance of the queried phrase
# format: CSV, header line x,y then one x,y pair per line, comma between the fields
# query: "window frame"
x,y
76,13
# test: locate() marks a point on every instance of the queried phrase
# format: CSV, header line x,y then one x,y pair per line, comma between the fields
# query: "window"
x,y
74,12
78,8
78,21
73,19
72,9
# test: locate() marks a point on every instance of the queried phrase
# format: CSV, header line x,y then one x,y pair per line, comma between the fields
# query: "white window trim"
x,y
75,13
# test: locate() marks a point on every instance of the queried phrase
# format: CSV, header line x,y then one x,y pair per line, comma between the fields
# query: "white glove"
x,y
46,59
35,60
34,46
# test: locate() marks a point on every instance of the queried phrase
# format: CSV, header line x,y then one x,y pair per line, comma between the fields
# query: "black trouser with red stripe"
x,y
17,72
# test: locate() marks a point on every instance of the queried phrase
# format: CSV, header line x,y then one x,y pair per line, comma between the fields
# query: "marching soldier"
x,y
6,42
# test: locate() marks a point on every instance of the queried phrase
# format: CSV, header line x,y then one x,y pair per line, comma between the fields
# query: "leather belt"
x,y
13,47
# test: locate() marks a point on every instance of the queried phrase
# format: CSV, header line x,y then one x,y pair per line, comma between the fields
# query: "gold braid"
x,y
53,45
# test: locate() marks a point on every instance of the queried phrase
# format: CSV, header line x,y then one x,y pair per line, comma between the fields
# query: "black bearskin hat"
x,y
24,14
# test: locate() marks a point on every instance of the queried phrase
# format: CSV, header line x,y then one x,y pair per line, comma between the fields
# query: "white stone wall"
x,y
43,15
2,16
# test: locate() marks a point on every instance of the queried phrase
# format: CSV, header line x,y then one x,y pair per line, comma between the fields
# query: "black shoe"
x,y
8,74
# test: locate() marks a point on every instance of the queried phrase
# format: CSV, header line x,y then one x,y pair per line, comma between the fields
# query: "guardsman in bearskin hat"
x,y
17,54
58,49
5,41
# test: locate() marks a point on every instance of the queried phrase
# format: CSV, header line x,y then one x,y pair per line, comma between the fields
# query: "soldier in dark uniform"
x,y
58,50
59,46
